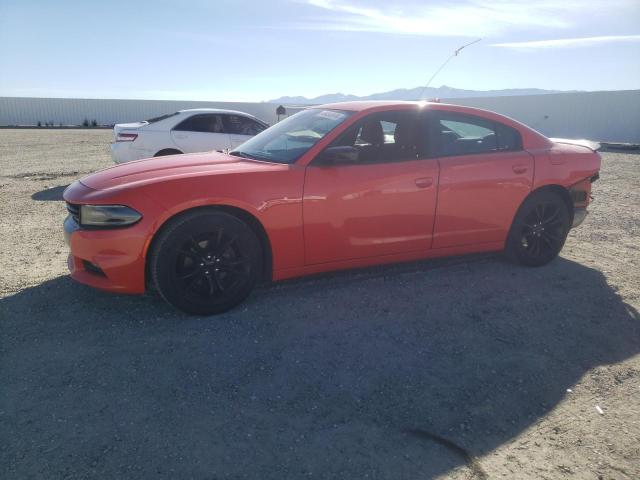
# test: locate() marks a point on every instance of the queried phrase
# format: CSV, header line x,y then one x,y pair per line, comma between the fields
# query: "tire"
x,y
168,151
206,262
539,229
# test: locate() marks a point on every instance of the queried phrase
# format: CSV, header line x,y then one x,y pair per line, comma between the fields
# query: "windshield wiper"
x,y
250,156
237,153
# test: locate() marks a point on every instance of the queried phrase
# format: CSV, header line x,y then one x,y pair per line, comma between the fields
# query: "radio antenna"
x,y
454,54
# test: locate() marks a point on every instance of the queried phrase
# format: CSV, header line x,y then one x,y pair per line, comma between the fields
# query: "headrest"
x,y
372,132
405,134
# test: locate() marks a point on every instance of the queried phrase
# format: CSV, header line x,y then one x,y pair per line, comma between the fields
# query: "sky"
x,y
234,50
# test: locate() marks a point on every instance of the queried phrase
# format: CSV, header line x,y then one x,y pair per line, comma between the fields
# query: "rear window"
x,y
204,123
467,130
240,125
161,117
508,138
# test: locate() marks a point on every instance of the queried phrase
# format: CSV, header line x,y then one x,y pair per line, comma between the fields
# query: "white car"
x,y
186,131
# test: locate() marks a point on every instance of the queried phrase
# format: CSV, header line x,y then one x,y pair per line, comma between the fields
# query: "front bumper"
x,y
105,259
111,259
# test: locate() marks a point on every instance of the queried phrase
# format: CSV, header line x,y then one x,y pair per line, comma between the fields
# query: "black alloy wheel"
x,y
206,262
211,264
167,151
539,230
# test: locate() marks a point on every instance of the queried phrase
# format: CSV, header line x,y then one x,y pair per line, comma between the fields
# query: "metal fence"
x,y
605,116
74,111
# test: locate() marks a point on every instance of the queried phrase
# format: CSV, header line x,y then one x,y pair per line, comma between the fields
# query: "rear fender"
x,y
565,165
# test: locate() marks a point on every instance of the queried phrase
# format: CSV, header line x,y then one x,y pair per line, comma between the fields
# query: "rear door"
x,y
202,132
484,177
381,204
241,128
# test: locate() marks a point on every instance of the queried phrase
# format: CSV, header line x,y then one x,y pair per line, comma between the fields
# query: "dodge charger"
x,y
338,186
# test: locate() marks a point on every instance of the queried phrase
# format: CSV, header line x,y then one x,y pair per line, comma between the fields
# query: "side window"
x,y
468,130
205,123
239,125
508,138
383,137
458,134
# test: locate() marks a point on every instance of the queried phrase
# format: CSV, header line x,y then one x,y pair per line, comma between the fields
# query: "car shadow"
x,y
393,372
52,194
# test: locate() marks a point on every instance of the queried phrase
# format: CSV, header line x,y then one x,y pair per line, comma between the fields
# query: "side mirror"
x,y
339,155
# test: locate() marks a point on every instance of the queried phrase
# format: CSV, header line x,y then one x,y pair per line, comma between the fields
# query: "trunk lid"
x,y
591,145
127,127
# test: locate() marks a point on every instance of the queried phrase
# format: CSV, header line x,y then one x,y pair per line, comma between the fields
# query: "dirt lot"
x,y
460,368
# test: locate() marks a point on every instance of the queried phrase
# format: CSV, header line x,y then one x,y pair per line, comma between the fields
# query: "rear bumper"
x,y
122,152
579,214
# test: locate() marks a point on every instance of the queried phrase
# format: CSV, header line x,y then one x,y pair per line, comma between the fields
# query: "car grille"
x,y
74,211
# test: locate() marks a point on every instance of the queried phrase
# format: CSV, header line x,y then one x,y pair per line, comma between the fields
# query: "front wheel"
x,y
539,230
206,262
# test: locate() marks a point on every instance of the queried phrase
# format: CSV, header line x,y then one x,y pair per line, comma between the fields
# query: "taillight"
x,y
126,137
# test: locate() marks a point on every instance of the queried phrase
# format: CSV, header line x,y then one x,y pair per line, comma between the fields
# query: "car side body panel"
x,y
353,211
386,259
479,195
193,142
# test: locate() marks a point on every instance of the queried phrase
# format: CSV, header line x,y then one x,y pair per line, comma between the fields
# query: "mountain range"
x,y
417,93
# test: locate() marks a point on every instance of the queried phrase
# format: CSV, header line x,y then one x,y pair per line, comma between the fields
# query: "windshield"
x,y
288,140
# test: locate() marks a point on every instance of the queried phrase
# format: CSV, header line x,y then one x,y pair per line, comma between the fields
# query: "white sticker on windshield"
x,y
331,115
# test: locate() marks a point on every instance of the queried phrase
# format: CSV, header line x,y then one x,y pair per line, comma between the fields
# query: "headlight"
x,y
107,216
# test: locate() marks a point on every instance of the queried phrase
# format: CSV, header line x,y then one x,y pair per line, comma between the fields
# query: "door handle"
x,y
519,168
181,136
424,182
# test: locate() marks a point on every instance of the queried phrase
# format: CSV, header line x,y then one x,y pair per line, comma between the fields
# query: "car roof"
x,y
360,105
363,105
213,110
531,138
382,105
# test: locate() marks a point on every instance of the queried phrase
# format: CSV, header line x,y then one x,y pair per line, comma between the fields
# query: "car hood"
x,y
158,169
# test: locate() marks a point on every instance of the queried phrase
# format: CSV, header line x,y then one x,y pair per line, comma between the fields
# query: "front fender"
x,y
274,199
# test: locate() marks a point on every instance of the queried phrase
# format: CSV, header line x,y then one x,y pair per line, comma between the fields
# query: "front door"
x,y
383,203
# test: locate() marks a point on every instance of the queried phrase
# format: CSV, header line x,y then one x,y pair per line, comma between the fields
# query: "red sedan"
x,y
332,187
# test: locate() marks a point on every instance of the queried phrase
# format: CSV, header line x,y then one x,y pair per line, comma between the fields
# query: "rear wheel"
x,y
206,262
539,230
168,151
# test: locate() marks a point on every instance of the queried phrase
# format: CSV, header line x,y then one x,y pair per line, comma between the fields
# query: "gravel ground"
x,y
459,368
